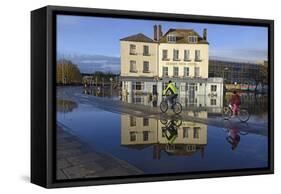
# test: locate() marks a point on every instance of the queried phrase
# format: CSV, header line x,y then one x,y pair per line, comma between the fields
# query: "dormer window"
x,y
192,39
171,38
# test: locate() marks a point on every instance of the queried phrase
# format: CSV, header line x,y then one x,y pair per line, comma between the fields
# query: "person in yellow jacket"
x,y
171,92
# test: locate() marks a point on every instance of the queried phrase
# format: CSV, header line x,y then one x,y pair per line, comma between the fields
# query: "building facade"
x,y
180,55
183,53
139,56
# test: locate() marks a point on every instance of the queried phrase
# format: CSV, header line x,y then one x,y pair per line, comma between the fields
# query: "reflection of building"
x,y
139,133
180,55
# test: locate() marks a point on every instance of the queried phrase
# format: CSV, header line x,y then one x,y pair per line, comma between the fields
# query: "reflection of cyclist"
x,y
171,129
235,102
233,137
171,92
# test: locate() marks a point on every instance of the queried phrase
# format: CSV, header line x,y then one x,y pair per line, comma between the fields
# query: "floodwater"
x,y
162,145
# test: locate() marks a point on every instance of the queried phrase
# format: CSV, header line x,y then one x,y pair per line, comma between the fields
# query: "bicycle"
x,y
170,129
176,106
242,113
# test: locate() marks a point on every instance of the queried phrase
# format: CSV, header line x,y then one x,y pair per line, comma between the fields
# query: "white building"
x,y
180,55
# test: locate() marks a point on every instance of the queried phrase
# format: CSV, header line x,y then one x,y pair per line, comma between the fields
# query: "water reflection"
x,y
65,106
234,134
105,91
173,136
170,144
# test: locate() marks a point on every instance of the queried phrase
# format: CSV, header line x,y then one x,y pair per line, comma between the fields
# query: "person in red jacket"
x,y
235,102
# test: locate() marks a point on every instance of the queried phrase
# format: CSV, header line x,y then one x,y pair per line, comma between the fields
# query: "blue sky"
x,y
81,35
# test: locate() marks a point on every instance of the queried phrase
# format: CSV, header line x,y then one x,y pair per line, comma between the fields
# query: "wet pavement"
x,y
77,159
153,142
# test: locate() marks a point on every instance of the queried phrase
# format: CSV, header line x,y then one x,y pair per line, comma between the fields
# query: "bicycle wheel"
x,y
164,106
243,115
178,122
227,113
164,121
177,108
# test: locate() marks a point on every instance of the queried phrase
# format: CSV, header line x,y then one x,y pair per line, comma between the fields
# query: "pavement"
x,y
76,159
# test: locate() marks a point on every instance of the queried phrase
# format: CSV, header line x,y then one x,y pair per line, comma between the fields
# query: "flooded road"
x,y
163,144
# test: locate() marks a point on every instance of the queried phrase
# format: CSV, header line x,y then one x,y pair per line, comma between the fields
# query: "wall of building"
x,y
204,53
126,57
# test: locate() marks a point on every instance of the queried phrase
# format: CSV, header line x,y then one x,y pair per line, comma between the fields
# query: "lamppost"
x,y
111,79
224,70
223,85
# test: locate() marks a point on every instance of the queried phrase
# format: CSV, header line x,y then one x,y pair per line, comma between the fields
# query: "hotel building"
x,y
180,55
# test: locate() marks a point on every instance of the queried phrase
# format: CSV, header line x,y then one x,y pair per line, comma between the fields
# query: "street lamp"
x,y
225,69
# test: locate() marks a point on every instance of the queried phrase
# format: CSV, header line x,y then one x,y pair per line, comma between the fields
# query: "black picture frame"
x,y
43,95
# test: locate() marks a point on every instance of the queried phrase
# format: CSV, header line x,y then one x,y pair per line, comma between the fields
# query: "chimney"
x,y
157,29
205,34
160,31
155,32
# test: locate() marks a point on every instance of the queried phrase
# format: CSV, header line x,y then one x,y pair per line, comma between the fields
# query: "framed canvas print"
x,y
126,96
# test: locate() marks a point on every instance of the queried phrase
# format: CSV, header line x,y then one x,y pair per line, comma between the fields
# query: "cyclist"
x,y
171,92
235,102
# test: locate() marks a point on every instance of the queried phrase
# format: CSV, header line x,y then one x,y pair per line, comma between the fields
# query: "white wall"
x,y
15,103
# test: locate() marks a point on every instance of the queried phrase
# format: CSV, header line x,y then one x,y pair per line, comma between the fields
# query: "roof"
x,y
138,38
182,35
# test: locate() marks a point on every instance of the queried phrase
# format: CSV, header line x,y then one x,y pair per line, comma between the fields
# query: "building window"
x,y
176,55
213,102
171,38
133,66
184,88
146,67
196,131
165,55
145,50
145,135
192,39
176,71
133,49
133,136
186,71
137,85
197,55
197,71
213,88
133,121
185,132
187,55
165,71
145,121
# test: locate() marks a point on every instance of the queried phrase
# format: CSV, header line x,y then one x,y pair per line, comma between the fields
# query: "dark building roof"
x,y
181,36
138,38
